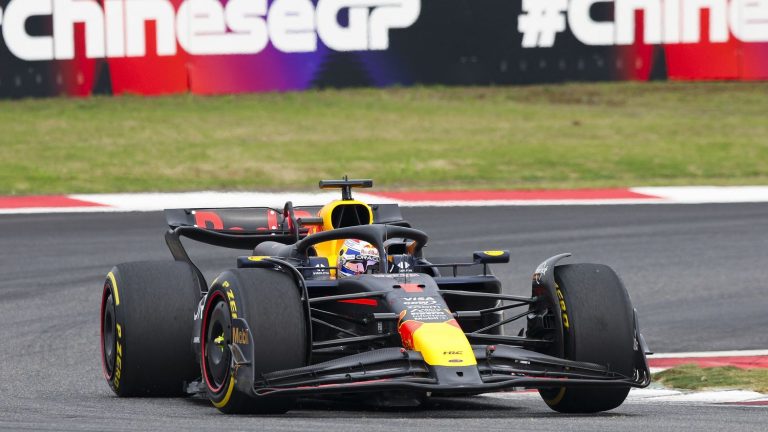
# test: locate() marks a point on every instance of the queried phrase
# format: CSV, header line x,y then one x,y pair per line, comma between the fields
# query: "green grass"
x,y
563,136
693,377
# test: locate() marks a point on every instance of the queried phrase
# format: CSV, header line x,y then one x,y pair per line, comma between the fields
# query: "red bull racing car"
x,y
305,312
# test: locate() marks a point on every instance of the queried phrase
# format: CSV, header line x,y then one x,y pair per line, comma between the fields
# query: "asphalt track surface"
x,y
696,274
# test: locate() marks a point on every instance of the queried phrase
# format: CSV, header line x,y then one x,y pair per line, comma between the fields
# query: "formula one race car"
x,y
286,323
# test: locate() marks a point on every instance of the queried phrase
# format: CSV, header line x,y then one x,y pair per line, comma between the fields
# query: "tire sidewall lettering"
x,y
230,295
119,347
563,308
114,376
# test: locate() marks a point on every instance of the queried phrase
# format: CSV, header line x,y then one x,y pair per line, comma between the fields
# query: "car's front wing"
x,y
498,367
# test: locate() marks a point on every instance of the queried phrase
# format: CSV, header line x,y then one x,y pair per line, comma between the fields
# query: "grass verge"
x,y
693,377
555,136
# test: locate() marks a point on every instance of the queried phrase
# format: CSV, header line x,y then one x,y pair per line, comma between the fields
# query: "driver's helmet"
x,y
356,257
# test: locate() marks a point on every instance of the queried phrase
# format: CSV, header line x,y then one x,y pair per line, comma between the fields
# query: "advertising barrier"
x,y
84,47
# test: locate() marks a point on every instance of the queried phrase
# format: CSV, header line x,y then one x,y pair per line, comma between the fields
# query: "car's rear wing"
x,y
246,227
244,220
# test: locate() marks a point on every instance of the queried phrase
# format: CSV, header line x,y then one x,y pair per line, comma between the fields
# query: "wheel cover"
x,y
108,333
216,354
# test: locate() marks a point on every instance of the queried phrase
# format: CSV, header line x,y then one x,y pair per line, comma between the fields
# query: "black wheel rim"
x,y
109,336
217,355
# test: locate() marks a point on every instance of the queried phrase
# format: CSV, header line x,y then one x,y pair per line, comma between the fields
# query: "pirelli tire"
x,y
598,327
147,316
270,303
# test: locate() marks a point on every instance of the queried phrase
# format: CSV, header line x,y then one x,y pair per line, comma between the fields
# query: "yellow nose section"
x,y
441,344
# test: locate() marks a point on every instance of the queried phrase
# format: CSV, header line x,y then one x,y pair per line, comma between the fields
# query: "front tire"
x,y
270,302
147,311
598,327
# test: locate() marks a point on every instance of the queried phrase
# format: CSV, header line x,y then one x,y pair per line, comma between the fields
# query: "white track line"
x,y
656,395
721,396
159,201
542,202
706,354
707,194
211,199
146,202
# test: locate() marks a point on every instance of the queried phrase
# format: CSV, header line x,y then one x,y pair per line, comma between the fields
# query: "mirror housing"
x,y
491,257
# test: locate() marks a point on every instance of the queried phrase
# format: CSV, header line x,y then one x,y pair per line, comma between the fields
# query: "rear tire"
x,y
147,312
270,302
597,327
